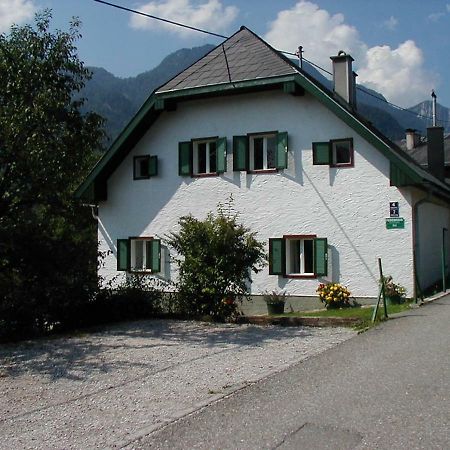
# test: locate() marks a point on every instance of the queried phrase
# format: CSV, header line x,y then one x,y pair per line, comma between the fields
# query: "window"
x,y
205,157
202,157
139,255
144,167
335,153
260,152
298,256
342,152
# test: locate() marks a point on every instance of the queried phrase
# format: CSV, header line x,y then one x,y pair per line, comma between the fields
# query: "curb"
x,y
300,321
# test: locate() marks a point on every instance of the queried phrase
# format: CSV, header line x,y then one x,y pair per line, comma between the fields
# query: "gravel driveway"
x,y
110,387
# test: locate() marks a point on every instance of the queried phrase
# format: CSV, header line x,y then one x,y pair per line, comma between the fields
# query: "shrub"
x,y
334,295
392,289
216,258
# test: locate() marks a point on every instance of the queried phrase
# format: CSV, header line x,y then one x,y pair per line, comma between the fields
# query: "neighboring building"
x,y
417,147
308,174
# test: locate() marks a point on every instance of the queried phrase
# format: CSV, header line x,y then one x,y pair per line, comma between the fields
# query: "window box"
x,y
260,152
139,254
202,157
334,153
298,256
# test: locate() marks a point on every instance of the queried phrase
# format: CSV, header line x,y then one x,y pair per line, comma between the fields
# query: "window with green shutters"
x,y
298,256
200,157
145,166
334,153
139,255
260,152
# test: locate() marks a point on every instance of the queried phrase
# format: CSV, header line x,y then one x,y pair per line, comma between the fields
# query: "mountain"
x,y
118,99
426,109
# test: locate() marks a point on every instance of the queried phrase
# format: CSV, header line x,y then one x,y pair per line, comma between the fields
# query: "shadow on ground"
x,y
77,356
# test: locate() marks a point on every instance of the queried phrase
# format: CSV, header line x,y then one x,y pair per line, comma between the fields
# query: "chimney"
x,y
412,139
344,79
435,151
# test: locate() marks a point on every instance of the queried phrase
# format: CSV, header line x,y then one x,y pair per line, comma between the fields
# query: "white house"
x,y
326,191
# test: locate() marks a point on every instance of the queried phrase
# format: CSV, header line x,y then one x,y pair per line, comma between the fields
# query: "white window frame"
x,y
265,137
195,160
133,267
302,256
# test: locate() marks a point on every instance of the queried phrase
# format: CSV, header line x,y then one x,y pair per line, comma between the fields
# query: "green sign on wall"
x,y
394,223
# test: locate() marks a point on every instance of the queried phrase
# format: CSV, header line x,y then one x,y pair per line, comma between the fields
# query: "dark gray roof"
x,y
247,56
420,155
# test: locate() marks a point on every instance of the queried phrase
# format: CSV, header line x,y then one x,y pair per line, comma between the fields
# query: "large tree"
x,y
47,145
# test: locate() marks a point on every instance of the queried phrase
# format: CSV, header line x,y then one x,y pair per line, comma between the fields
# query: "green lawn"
x,y
363,313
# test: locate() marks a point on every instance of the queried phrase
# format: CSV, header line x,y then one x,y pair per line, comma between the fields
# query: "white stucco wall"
x,y
346,205
432,219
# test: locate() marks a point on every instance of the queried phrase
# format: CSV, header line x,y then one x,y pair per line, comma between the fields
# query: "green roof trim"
x,y
404,170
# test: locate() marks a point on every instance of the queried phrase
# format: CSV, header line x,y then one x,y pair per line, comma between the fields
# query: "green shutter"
x,y
240,153
221,155
321,153
282,149
185,158
321,256
153,166
153,257
123,254
277,256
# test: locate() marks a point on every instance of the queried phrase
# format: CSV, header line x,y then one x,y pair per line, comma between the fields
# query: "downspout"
x,y
416,252
94,208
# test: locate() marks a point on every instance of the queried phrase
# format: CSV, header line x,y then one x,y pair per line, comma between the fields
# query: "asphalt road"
x,y
388,388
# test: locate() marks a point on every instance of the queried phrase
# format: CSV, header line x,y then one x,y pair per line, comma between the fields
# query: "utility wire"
x,y
161,19
179,24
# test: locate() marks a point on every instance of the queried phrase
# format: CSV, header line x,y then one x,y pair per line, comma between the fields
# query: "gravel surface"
x,y
111,387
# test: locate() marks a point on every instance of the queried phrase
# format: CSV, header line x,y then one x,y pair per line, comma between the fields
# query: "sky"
x,y
401,47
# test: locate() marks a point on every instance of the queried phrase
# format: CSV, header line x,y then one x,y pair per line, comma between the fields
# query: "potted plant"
x,y
275,301
334,295
394,293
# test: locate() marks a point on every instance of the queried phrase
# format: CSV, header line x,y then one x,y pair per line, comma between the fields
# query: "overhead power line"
x,y
179,24
200,30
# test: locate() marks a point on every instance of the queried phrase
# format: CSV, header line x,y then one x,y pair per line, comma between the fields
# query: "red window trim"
x,y
274,170
306,276
204,175
352,153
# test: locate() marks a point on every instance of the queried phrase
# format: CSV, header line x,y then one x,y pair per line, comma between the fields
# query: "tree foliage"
x,y
216,258
47,241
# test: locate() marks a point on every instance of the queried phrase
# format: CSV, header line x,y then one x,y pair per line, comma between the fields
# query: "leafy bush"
x,y
334,295
392,289
216,258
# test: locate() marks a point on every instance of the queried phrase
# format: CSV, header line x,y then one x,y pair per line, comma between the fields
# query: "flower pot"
x,y
393,299
275,308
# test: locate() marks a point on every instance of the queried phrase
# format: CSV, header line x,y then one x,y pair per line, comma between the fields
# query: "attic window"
x,y
205,157
342,152
334,153
144,167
